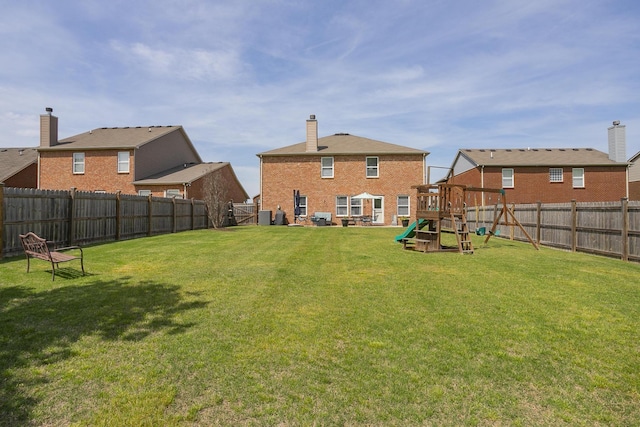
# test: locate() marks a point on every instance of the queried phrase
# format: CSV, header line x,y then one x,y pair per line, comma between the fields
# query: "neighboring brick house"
x,y
329,171
192,179
548,175
19,167
634,177
157,160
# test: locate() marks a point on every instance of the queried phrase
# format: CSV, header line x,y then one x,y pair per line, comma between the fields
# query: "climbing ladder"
x,y
459,224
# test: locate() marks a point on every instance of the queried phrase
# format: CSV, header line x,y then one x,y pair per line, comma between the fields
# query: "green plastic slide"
x,y
411,230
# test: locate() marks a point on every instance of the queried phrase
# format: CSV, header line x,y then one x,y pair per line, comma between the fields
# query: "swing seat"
x,y
481,231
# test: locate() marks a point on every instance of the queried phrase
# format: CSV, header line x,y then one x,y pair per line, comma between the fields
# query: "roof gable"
x,y
14,160
343,144
181,174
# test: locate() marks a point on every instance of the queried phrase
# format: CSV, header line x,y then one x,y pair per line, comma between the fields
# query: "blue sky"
x,y
242,77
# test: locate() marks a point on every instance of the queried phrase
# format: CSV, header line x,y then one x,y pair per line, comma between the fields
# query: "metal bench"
x,y
37,247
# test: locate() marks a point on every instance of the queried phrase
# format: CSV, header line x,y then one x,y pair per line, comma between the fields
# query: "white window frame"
x,y
123,163
78,163
303,206
356,207
556,175
342,205
145,193
173,192
326,171
577,177
372,171
508,181
403,210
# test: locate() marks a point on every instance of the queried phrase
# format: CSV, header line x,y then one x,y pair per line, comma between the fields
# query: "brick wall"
x,y
26,178
531,184
100,172
282,175
234,190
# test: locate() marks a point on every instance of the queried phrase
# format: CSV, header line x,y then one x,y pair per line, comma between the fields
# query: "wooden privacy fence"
x,y
245,213
78,218
603,228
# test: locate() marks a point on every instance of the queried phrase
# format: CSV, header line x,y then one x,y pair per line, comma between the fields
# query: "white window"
x,y
555,175
173,193
342,205
144,192
303,205
123,162
356,207
78,163
507,178
372,167
578,177
403,206
327,167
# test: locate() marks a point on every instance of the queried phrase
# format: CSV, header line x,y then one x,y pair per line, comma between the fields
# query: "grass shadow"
x,y
39,328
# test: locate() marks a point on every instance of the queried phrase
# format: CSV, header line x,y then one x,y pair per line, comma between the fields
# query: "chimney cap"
x,y
616,122
312,117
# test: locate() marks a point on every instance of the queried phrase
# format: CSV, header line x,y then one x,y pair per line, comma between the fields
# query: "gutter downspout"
x,y
425,179
260,186
627,181
38,176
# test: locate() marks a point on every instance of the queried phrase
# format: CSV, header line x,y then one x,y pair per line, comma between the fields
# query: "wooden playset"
x,y
443,208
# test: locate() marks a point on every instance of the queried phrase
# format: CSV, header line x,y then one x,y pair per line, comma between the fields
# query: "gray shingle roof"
x,y
343,143
538,157
181,174
113,138
13,160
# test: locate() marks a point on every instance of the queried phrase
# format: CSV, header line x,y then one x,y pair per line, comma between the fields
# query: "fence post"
x,y
625,229
175,215
118,215
150,215
193,215
539,222
72,215
574,225
1,218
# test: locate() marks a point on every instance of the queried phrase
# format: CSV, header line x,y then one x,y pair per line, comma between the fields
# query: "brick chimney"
x,y
617,142
48,129
312,134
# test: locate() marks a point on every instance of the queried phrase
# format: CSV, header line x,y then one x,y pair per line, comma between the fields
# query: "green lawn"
x,y
319,326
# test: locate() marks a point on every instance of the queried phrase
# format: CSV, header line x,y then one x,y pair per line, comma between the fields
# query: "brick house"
x,y
634,177
157,160
329,171
547,175
19,167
